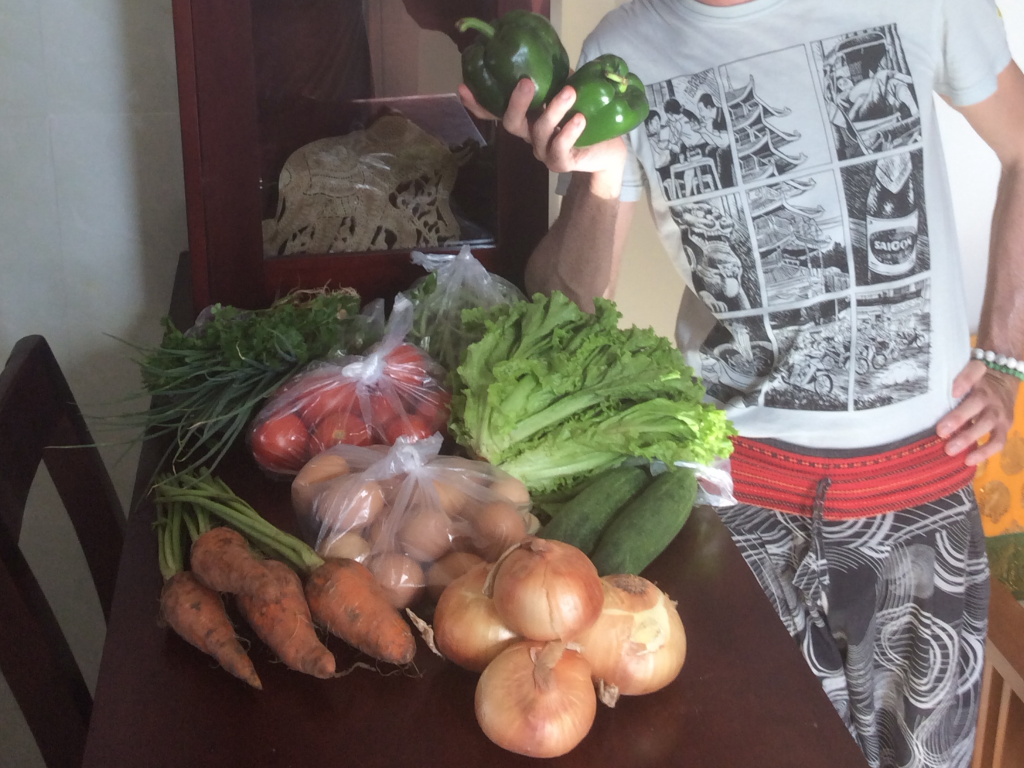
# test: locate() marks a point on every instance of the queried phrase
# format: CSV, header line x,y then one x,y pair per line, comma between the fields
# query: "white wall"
x,y
91,224
974,174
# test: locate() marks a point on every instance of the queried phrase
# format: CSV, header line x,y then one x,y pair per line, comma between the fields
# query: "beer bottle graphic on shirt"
x,y
892,218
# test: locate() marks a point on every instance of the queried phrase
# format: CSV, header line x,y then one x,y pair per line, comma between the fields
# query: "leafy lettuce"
x,y
552,394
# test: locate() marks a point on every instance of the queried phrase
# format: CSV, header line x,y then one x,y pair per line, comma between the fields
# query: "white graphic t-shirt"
x,y
795,175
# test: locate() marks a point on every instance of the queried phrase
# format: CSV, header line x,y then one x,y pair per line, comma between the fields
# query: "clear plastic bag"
x,y
415,518
714,481
394,390
456,282
385,187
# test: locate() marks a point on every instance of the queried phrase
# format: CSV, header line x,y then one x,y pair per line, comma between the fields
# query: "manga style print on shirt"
x,y
796,180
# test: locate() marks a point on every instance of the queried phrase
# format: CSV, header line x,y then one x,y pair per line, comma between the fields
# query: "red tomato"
x,y
329,399
300,383
342,427
382,412
407,426
433,409
281,444
407,365
443,396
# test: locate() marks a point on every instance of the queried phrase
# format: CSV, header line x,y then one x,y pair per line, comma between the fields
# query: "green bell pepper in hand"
x,y
611,98
519,44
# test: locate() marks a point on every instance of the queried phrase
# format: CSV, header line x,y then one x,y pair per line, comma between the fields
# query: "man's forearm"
x,y
577,255
1001,328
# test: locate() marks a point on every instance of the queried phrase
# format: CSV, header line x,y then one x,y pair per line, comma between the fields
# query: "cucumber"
x,y
582,519
642,530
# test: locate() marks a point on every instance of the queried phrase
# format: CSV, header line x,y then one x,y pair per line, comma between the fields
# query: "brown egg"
x,y
426,534
350,546
447,569
390,486
349,503
452,498
512,489
496,527
401,577
309,482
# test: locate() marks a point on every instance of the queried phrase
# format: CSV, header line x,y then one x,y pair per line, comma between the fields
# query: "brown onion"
x,y
467,629
637,645
546,590
536,699
447,569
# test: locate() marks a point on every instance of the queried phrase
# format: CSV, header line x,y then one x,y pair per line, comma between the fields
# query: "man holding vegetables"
x,y
856,511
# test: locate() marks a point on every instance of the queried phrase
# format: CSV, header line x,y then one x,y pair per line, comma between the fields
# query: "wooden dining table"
x,y
745,696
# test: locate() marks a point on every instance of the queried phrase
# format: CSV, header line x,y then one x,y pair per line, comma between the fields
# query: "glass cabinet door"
x,y
323,142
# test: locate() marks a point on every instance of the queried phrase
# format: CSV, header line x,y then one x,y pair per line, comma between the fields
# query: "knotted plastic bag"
x,y
415,518
455,283
395,390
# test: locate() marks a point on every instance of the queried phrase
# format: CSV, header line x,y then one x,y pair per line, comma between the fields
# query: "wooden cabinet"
x,y
257,79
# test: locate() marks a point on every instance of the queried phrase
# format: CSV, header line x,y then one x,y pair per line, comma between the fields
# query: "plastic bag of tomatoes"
x,y
415,518
393,391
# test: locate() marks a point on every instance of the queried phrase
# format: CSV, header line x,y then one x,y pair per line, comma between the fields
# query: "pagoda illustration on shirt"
x,y
810,247
759,142
796,254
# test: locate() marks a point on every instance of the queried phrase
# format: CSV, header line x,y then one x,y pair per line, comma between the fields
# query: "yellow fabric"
x,y
999,482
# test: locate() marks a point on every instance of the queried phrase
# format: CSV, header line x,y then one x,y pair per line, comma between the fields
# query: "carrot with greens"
x,y
221,559
193,610
280,616
268,593
354,607
370,622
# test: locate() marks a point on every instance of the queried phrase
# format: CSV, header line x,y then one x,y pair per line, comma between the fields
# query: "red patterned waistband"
x,y
868,485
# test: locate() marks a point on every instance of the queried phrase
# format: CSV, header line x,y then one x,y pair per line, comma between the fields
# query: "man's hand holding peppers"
x,y
554,145
518,61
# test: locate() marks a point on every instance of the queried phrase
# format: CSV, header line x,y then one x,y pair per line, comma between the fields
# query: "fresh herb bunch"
x,y
208,382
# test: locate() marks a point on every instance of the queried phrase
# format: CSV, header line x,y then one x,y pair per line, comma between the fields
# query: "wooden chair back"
x,y
1000,740
40,423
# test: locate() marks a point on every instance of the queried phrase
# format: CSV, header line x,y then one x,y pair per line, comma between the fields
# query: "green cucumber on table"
x,y
646,526
582,519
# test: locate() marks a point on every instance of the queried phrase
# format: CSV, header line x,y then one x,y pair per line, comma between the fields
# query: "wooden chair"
x,y
1000,740
41,424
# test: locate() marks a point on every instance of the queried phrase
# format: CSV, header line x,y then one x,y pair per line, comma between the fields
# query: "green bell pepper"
x,y
611,98
519,44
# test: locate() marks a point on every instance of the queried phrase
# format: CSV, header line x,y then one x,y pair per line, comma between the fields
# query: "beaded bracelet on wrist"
x,y
1000,363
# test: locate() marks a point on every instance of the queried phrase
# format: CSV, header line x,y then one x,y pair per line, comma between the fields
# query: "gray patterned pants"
x,y
891,614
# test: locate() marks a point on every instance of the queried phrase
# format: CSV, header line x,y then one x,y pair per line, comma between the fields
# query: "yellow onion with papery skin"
x,y
546,590
637,645
467,629
536,699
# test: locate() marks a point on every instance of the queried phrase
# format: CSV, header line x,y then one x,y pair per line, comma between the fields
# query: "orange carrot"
x,y
342,595
280,616
345,597
221,559
197,614
193,610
